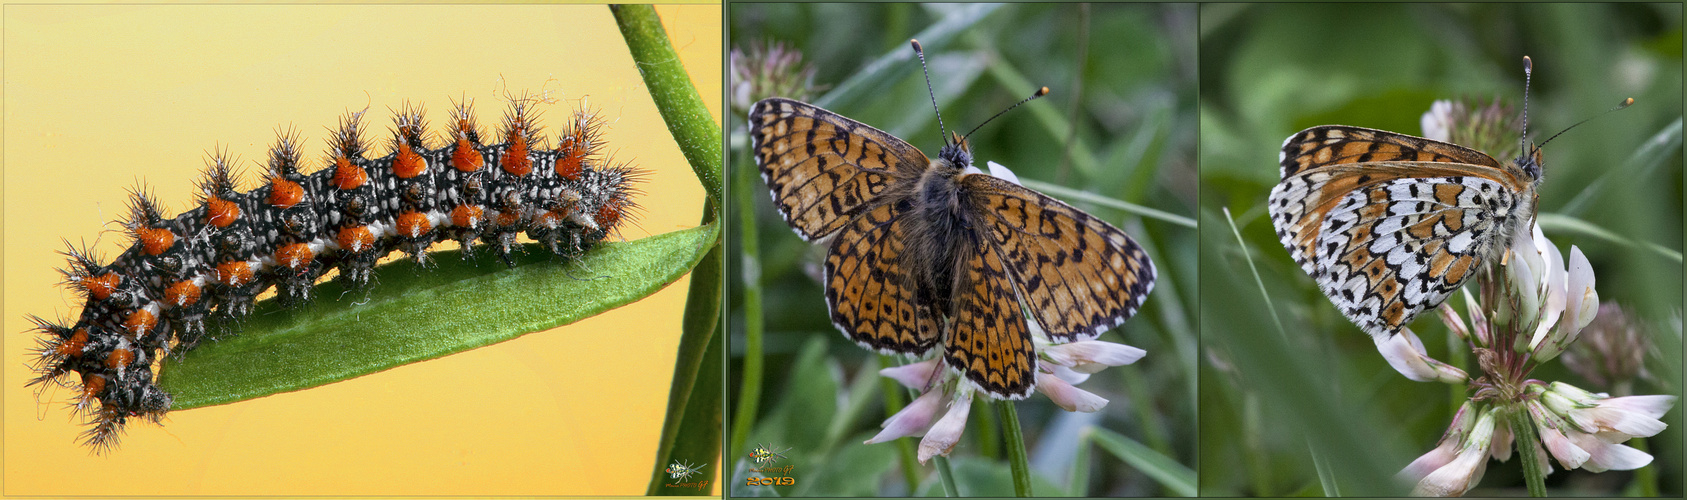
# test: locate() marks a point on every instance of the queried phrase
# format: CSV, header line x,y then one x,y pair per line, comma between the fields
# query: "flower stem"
x,y
749,392
1017,457
1528,442
946,476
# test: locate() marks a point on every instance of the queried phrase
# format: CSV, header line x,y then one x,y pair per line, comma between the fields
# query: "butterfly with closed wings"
x,y
1389,224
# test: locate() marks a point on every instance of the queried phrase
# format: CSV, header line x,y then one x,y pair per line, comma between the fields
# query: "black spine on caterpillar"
x,y
214,260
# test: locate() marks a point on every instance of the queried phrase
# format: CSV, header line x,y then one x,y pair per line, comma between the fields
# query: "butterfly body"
x,y
924,252
1389,224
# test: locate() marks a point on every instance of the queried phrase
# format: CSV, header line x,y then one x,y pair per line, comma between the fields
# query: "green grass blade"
x,y
1073,194
1174,476
889,68
411,315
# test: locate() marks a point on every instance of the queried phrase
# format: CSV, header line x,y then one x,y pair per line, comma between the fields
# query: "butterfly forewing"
x,y
989,343
822,167
1079,276
1327,145
872,298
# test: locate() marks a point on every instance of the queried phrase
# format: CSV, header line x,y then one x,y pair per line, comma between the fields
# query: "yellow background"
x,y
99,99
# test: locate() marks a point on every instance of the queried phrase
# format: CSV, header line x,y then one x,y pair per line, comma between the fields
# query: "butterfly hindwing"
x,y
1079,275
1389,224
1391,250
871,296
989,343
822,167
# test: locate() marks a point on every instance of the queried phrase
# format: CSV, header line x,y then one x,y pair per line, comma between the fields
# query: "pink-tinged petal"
x,y
1501,449
1445,449
1067,397
1582,301
1429,462
916,376
1478,320
1649,406
1568,454
1437,122
1603,456
947,431
1405,353
1630,416
1090,356
1069,375
1000,172
1451,318
1541,458
1466,469
1554,285
914,419
1525,271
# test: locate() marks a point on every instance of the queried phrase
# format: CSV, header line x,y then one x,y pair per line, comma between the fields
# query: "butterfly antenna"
x,y
1039,93
1626,103
1528,73
941,132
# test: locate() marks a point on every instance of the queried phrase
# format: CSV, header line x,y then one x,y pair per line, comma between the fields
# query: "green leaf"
x,y
410,315
1177,478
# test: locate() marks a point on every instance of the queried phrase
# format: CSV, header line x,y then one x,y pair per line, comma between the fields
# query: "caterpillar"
x,y
208,264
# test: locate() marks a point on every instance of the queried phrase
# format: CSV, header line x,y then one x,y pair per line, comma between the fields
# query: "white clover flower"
x,y
1405,352
1059,368
1466,467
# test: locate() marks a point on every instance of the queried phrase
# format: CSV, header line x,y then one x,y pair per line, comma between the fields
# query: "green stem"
x,y
1017,457
692,432
1527,442
904,447
691,123
749,393
945,476
699,138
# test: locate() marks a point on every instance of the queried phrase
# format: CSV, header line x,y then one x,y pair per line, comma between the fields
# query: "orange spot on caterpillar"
x,y
548,219
608,215
220,212
139,323
568,166
183,293
92,386
119,358
155,241
284,193
355,239
515,159
294,256
413,224
408,164
348,176
508,218
467,216
102,286
466,158
234,273
73,346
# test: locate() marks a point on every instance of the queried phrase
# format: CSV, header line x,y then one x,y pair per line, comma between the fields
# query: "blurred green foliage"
x,y
1274,400
1124,76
